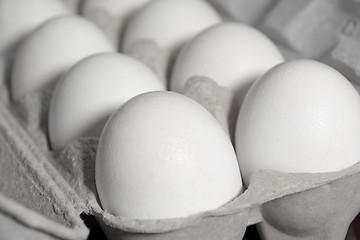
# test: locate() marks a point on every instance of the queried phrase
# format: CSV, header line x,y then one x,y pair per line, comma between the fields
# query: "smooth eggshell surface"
x,y
162,155
110,15
95,87
232,54
300,117
52,49
20,17
169,23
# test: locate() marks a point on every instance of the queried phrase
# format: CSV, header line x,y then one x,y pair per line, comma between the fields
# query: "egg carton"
x,y
59,186
48,195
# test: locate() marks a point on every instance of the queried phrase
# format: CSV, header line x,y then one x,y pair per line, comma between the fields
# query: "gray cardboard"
x,y
18,221
32,114
12,229
28,178
249,12
343,57
43,193
107,22
76,164
4,73
324,212
266,186
219,101
148,52
319,23
73,5
229,227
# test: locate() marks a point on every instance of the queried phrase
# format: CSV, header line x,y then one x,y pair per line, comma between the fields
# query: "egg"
x,y
19,17
95,87
169,23
110,15
52,49
162,155
232,54
302,116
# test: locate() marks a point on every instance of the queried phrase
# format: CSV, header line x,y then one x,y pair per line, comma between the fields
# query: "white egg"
x,y
52,49
232,54
162,155
169,23
20,17
300,117
95,87
110,15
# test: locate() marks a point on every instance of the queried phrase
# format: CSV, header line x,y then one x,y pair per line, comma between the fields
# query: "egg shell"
x,y
300,117
169,23
110,15
52,49
95,87
162,155
232,54
20,17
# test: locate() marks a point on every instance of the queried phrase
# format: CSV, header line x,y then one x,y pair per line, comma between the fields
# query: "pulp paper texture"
x,y
219,101
42,193
303,216
29,193
267,198
148,52
109,24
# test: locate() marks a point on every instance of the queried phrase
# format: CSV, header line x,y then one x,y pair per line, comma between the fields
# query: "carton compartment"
x,y
61,185
28,193
43,193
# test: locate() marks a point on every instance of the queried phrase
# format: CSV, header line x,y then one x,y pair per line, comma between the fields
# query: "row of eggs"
x,y
161,154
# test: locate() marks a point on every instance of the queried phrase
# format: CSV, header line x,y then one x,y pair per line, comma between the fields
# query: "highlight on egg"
x,y
232,54
51,50
302,116
169,23
91,90
162,155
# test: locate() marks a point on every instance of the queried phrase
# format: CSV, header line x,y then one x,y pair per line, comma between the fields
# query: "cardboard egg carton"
x,y
46,192
47,195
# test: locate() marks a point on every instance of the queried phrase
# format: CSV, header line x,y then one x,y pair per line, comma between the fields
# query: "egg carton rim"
x,y
34,220
239,205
